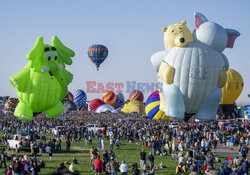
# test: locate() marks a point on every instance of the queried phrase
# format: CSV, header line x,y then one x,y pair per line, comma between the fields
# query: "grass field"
x,y
127,151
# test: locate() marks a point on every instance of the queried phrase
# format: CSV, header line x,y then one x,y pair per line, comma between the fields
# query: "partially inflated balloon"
x,y
152,107
136,95
70,96
109,98
85,107
80,98
244,112
10,104
69,106
97,54
94,104
119,100
105,108
230,92
134,106
233,88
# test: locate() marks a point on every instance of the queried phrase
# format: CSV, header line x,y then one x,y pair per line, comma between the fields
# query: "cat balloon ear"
x,y
37,50
199,19
231,36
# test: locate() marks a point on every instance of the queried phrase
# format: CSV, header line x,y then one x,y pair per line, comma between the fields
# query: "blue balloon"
x,y
80,98
119,100
97,54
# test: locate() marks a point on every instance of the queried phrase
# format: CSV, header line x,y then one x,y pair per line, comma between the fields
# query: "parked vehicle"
x,y
173,125
19,142
93,127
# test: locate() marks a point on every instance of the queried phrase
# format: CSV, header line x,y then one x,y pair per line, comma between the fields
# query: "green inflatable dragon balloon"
x,y
43,82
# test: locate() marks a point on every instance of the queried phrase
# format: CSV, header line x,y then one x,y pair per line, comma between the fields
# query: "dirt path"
x,y
227,151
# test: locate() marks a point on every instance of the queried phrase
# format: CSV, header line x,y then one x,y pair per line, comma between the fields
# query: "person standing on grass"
x,y
50,155
98,165
68,145
170,146
35,168
117,143
3,160
151,160
123,168
111,143
16,165
142,159
113,166
144,172
103,144
100,144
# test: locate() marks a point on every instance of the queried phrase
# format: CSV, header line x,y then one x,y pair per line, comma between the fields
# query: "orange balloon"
x,y
109,98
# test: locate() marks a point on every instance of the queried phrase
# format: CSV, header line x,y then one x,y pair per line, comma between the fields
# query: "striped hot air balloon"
x,y
94,104
97,54
109,98
84,108
80,98
152,107
10,104
119,100
136,95
70,96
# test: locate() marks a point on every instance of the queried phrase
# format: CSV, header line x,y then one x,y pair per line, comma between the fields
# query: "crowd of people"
x,y
190,144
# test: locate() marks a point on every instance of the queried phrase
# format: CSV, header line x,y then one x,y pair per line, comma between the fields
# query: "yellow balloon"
x,y
134,106
233,87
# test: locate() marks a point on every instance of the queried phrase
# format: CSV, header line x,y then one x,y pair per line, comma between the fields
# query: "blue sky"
x,y
130,29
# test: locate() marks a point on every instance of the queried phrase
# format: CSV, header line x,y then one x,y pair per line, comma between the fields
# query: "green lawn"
x,y
127,151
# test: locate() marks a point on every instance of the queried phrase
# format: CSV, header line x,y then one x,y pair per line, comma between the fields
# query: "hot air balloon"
x,y
136,95
244,112
152,107
193,73
134,106
85,107
230,92
80,98
105,108
97,54
69,106
70,96
94,104
109,98
119,100
10,105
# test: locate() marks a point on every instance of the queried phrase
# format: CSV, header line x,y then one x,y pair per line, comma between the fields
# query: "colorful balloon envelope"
x,y
80,98
85,107
97,54
134,106
233,87
69,106
244,112
109,98
119,100
105,109
94,104
70,96
152,107
136,95
11,104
